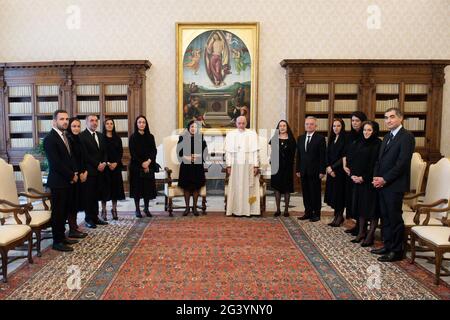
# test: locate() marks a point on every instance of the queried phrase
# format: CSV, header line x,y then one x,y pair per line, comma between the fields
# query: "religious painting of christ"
x,y
217,74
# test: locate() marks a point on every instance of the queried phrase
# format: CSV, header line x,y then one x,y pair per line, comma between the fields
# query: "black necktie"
x,y
95,140
307,142
391,137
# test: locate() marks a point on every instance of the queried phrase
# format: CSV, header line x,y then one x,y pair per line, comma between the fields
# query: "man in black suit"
x,y
392,178
94,144
311,150
61,177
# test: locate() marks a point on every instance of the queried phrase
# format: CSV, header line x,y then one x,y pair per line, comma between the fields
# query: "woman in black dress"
x,y
112,177
335,185
192,152
365,203
142,165
78,152
282,165
353,140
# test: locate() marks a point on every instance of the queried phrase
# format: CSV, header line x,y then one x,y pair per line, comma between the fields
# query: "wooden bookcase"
x,y
31,92
335,88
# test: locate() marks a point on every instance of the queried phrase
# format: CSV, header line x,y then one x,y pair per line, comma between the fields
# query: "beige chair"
x,y
14,234
418,167
40,219
435,203
264,174
32,182
172,170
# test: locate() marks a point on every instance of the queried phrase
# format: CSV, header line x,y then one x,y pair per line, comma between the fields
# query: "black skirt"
x,y
335,190
113,185
192,176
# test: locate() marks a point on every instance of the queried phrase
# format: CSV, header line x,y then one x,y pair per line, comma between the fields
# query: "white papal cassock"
x,y
241,154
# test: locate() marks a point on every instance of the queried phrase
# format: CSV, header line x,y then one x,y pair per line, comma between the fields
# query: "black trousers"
x,y
60,202
91,194
312,194
392,220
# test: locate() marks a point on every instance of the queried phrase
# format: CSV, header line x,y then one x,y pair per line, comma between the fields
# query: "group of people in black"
x,y
85,167
365,177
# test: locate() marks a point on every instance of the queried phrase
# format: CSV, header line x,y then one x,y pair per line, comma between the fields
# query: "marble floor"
x,y
215,204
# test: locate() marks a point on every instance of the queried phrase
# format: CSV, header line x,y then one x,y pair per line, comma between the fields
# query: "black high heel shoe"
x,y
277,213
358,239
147,212
186,212
114,214
138,214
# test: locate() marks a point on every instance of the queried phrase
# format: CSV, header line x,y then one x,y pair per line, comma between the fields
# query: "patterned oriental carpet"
x,y
218,257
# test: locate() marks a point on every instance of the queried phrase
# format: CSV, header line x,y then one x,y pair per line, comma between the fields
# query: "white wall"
x,y
36,30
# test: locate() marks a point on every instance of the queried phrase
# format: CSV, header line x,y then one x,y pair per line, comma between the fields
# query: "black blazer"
x,y
62,166
394,161
313,162
94,154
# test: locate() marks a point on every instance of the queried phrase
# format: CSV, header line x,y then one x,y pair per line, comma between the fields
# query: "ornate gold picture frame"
x,y
217,74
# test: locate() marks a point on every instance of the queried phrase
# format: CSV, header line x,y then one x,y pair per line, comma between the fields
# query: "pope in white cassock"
x,y
241,154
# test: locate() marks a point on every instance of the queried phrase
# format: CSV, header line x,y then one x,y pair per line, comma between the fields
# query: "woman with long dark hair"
x,y
142,165
113,181
79,153
282,165
354,138
365,201
191,152
335,184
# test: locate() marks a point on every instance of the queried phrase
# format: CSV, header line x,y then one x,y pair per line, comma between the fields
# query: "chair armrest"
x,y
430,205
14,206
43,194
427,211
413,196
169,176
34,196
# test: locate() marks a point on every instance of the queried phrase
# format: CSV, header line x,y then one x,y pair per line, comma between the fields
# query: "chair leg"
x,y
413,247
38,242
438,261
204,205
165,203
4,254
225,203
30,248
405,241
170,207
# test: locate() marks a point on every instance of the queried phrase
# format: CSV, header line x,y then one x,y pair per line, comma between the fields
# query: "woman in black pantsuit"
x,y
142,165
365,202
282,165
78,198
353,140
112,177
335,185
192,152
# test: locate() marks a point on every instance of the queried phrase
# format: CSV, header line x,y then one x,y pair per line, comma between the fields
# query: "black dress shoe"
x,y
101,222
138,214
391,257
147,212
77,234
314,219
305,217
70,241
382,250
91,224
61,247
277,214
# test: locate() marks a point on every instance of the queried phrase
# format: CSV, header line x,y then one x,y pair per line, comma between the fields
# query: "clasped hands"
x,y
146,165
81,176
378,182
320,175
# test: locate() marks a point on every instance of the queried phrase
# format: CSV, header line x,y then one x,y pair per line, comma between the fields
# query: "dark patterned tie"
x,y
66,142
391,137
308,140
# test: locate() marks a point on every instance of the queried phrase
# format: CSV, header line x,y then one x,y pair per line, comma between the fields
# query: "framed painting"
x,y
217,74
